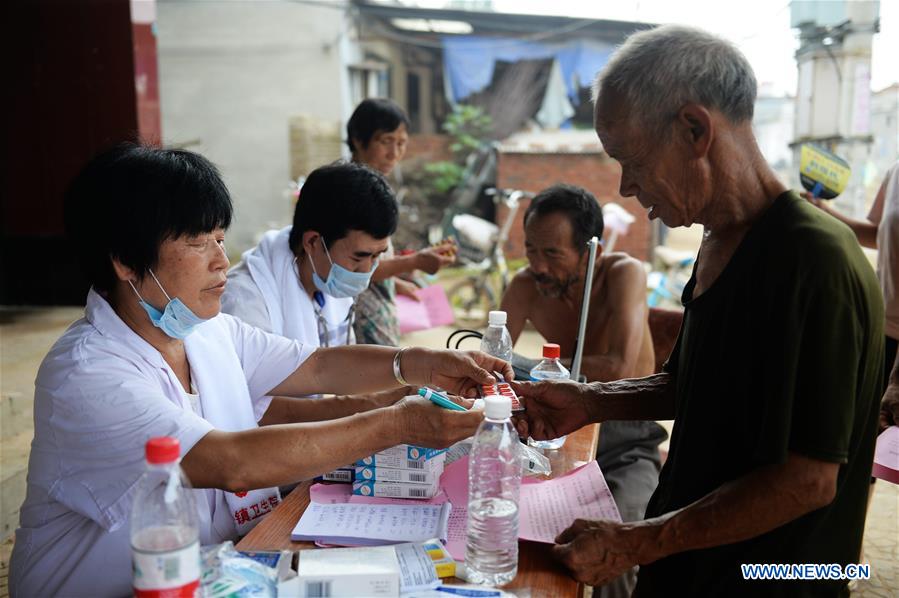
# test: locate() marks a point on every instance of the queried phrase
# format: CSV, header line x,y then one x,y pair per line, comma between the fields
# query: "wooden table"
x,y
538,572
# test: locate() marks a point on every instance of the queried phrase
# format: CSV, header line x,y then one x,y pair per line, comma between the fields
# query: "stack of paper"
x,y
352,524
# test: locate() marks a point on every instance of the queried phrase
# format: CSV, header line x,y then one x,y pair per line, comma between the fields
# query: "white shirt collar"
x,y
100,314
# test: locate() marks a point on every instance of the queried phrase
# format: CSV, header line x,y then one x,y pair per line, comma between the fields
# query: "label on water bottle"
x,y
167,574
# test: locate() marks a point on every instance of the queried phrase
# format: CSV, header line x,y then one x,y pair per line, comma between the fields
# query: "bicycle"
x,y
481,252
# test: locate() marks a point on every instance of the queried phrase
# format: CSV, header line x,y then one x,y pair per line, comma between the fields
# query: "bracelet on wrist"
x,y
397,367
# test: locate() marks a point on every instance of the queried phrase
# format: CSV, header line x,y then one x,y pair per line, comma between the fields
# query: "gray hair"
x,y
658,71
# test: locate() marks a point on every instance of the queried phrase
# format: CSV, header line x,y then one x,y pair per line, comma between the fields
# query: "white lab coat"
x,y
100,394
264,290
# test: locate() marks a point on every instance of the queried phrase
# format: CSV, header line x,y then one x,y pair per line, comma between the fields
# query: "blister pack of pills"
x,y
502,389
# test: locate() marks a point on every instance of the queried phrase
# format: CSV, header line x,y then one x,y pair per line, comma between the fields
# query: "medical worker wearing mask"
x,y
154,356
302,281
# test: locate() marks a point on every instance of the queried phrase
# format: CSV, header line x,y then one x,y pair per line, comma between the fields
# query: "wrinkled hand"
x,y
423,423
552,408
597,552
889,407
406,288
433,259
458,372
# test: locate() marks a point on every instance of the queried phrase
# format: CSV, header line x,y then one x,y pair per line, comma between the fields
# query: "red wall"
x,y
70,87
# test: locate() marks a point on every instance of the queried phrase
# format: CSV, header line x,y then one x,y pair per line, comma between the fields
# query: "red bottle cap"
x,y
163,449
551,351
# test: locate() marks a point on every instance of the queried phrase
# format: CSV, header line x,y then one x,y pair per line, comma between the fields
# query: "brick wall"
x,y
428,148
313,142
592,171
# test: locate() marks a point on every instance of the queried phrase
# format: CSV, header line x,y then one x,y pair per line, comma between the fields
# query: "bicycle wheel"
x,y
471,300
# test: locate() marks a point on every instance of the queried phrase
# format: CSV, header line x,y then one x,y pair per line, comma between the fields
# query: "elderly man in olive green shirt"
x,y
774,384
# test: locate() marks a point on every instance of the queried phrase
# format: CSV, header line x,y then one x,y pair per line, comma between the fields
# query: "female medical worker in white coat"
x,y
154,357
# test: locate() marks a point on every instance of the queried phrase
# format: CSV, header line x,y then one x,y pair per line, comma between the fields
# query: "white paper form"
x,y
416,568
548,508
370,525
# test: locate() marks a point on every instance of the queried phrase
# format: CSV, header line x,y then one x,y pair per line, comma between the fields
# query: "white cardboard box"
x,y
396,489
349,572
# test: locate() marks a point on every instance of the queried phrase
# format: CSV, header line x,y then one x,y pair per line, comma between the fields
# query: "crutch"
x,y
592,246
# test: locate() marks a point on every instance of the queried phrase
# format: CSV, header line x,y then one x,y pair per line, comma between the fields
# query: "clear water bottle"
x,y
497,341
165,539
494,478
550,368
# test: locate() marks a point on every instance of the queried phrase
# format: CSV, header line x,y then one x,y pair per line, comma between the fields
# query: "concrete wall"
x,y
773,128
232,74
885,126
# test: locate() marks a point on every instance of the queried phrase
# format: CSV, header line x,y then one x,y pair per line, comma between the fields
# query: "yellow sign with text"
x,y
822,173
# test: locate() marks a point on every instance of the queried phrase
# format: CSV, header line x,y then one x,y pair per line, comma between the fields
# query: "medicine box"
x,y
341,474
409,451
402,461
395,489
444,564
390,474
349,572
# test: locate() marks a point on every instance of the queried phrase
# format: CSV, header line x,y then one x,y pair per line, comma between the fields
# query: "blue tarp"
x,y
468,61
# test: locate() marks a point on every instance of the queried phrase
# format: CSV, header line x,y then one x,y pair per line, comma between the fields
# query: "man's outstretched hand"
x,y
552,408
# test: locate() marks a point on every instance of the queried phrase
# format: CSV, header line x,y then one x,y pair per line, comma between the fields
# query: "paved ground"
x,y
26,335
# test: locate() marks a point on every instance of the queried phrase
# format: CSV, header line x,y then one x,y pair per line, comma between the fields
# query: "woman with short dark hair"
x,y
154,356
377,134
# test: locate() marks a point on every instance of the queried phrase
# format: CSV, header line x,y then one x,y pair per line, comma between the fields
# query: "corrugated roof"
x,y
581,141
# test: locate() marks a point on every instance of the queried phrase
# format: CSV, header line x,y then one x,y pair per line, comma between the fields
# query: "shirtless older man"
x,y
557,226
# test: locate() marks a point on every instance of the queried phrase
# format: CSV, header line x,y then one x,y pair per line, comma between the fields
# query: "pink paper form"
x,y
432,309
886,455
549,507
546,507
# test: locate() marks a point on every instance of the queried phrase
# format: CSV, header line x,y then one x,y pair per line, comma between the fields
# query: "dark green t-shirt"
x,y
783,353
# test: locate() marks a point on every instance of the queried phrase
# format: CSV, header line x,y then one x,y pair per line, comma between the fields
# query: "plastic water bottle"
x,y
494,478
165,539
550,368
497,341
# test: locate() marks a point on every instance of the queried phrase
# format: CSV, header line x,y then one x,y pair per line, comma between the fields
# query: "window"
x,y
413,101
369,80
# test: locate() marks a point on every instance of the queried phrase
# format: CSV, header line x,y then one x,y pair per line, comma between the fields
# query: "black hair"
x,y
373,115
129,199
578,204
341,197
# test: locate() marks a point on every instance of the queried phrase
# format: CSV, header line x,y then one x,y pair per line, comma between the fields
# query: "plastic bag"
x,y
229,574
533,462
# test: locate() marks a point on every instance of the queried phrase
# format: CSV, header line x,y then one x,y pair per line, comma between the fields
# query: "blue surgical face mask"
x,y
341,282
177,321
